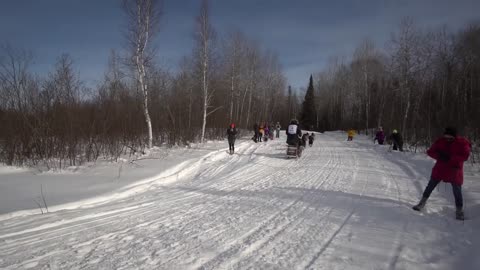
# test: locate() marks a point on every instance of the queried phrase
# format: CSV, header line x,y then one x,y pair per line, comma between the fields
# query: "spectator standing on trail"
x,y
311,138
261,131
450,152
277,129
255,130
397,140
232,135
266,133
350,134
379,136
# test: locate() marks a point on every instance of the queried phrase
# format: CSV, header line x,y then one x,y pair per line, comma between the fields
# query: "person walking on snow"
x,y
397,140
350,134
379,136
232,135
277,129
311,138
450,152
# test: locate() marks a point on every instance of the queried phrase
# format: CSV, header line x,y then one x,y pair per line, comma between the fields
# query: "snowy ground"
x,y
343,205
21,189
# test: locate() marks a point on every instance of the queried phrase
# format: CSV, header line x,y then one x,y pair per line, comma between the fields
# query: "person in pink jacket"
x,y
450,152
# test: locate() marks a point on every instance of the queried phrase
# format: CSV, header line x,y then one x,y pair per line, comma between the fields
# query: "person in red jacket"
x,y
450,152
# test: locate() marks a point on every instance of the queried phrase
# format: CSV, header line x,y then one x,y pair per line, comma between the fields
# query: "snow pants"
x,y
457,191
231,145
397,146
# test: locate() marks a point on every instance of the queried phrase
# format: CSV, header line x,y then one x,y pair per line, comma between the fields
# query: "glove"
x,y
443,156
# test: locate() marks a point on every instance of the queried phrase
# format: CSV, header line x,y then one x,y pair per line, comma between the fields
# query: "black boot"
x,y
459,214
420,205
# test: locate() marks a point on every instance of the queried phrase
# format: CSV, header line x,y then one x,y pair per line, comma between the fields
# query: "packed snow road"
x,y
343,205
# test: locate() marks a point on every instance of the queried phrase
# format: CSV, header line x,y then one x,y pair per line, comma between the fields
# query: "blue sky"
x,y
304,33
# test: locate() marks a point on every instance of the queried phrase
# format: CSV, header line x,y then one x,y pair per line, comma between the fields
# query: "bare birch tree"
x,y
204,36
143,23
233,56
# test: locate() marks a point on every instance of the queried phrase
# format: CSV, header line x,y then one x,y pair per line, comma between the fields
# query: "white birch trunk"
x,y
205,39
143,17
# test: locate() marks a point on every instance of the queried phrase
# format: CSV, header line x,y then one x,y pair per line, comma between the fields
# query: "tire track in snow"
x,y
314,233
102,223
211,196
311,235
329,241
262,235
108,220
234,192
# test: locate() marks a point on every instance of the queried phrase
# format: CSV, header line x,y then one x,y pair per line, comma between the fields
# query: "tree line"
x,y
422,82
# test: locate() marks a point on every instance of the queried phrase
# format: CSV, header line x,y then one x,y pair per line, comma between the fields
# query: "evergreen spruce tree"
x,y
308,116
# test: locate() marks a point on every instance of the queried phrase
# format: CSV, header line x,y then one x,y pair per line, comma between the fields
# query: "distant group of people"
x,y
450,152
265,131
395,139
262,132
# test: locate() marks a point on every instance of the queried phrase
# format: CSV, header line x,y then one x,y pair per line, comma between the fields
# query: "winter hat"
x,y
395,131
450,131
232,125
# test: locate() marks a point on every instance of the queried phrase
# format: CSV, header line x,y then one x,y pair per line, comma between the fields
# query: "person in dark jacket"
x,y
379,136
293,133
450,152
397,140
311,138
232,135
255,130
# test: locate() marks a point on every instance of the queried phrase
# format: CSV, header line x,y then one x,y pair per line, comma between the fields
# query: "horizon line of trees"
x,y
423,82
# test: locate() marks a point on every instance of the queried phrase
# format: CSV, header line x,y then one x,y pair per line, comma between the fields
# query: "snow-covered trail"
x,y
343,205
